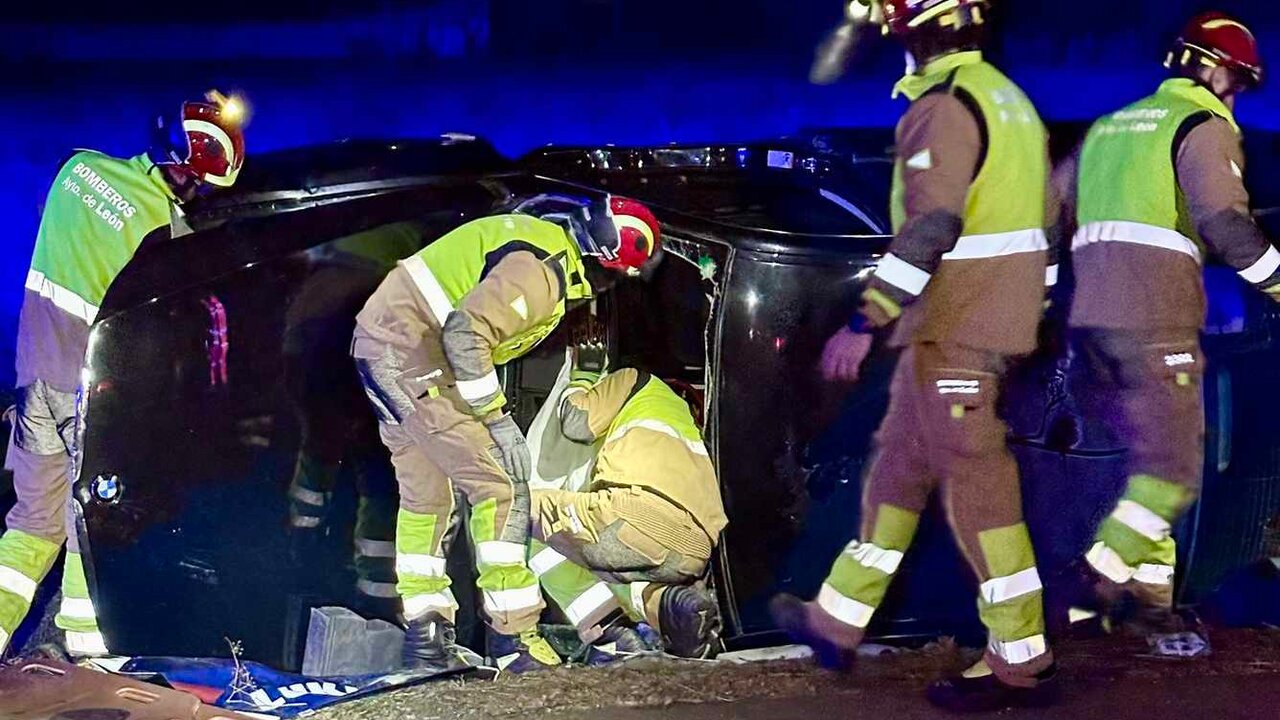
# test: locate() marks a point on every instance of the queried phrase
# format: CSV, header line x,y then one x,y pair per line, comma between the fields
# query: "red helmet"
x,y
902,17
206,140
1218,40
621,233
632,242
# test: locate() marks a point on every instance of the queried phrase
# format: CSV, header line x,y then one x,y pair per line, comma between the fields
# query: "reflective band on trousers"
x,y
959,387
375,548
514,599
479,389
1051,275
418,605
86,643
1109,563
846,610
872,556
497,552
696,447
1141,520
377,589
308,497
978,247
1264,268
637,597
424,565
594,598
430,287
62,298
1020,651
1001,589
1136,233
545,560
1154,574
15,582
78,608
4,640
902,274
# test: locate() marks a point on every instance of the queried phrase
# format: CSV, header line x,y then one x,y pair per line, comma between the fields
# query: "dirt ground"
x,y
1101,679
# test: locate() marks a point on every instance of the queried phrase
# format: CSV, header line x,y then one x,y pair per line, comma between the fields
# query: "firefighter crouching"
x,y
99,211
1160,186
426,345
339,443
634,545
964,282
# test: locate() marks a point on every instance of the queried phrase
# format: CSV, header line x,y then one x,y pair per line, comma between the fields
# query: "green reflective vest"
x,y
1129,189
1008,195
98,212
460,259
657,402
638,452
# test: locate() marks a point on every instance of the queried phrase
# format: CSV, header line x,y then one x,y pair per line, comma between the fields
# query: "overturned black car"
x,y
219,364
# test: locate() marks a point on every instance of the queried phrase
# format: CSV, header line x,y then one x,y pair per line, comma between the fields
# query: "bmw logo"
x,y
106,488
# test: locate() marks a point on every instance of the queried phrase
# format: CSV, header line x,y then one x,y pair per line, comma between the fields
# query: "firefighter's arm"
x,y
939,149
1211,174
519,293
587,409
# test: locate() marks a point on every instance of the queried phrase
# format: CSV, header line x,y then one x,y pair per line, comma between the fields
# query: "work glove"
x,y
511,449
590,361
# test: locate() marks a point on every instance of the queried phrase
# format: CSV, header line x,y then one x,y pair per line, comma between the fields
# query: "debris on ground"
x,y
1182,644
340,642
768,678
37,690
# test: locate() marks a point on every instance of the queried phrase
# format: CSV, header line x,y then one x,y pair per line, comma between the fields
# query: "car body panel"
x,y
204,438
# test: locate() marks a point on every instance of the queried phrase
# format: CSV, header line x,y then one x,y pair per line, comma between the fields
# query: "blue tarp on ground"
x,y
252,687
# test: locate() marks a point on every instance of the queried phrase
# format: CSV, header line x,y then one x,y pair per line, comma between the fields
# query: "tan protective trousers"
x,y
622,545
942,434
1147,385
436,446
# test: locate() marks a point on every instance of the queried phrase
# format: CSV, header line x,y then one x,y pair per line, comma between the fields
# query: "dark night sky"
x,y
749,22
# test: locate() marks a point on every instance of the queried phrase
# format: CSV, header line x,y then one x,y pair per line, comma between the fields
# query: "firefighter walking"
x,y
636,542
963,282
1160,187
427,345
99,211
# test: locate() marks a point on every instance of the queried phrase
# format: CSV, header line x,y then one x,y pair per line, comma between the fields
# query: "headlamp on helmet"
x,y
204,140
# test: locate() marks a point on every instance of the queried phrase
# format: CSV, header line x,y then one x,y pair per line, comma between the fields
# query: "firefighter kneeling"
x,y
634,545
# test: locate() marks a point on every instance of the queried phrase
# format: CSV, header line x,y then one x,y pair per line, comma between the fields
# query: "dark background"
x,y
90,74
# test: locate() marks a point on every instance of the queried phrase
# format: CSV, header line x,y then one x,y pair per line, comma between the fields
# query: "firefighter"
x,y
427,345
1158,186
963,281
339,443
638,538
98,212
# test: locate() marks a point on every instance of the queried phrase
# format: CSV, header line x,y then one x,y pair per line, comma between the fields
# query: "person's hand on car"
x,y
843,356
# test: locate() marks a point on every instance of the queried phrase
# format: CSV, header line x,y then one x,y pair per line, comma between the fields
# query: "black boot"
x,y
689,620
1074,608
431,643
834,644
986,693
